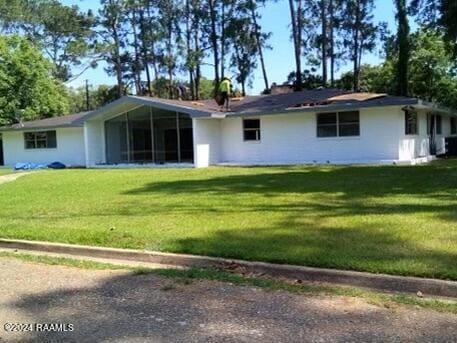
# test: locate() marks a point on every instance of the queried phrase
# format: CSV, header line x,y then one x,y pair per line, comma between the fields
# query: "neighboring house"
x,y
318,126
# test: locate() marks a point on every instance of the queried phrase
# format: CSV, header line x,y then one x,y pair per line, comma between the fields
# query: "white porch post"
x,y
206,133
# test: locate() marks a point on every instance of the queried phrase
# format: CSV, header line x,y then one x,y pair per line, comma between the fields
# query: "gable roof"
x,y
317,100
73,120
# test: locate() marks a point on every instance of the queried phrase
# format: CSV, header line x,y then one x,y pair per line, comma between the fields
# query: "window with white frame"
x,y
338,124
439,125
453,126
40,140
251,129
411,123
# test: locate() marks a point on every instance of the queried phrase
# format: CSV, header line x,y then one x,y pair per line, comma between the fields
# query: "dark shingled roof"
x,y
73,120
305,101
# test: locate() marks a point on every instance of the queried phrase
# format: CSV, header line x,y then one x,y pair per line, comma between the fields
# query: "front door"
x,y
431,120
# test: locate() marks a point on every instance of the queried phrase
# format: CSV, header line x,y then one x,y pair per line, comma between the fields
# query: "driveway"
x,y
116,306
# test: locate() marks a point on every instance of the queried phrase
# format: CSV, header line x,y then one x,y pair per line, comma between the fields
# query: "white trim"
x,y
142,166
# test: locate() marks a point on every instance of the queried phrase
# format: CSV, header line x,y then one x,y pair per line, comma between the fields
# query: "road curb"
x,y
431,287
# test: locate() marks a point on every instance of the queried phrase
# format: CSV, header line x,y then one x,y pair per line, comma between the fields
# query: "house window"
x,y
439,125
341,124
348,124
411,123
327,125
251,129
40,140
453,126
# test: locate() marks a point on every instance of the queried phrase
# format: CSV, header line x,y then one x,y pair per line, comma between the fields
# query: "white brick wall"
x,y
94,135
207,134
70,148
292,138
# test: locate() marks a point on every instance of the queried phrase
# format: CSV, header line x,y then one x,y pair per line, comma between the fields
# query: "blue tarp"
x,y
29,166
57,165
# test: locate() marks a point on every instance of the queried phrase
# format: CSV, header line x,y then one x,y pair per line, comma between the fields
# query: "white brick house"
x,y
319,127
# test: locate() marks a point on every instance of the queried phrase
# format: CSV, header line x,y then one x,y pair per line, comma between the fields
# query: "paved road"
x,y
116,306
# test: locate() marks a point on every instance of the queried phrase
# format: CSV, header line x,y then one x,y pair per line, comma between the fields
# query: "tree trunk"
x,y
356,52
324,41
144,51
189,50
118,62
170,61
137,69
259,47
403,48
213,38
332,43
223,40
297,44
198,73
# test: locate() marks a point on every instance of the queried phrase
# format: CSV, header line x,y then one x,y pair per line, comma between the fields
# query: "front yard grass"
x,y
396,220
6,171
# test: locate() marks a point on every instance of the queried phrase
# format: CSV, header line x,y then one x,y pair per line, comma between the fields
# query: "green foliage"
x,y
98,97
61,31
378,79
244,42
161,88
438,15
360,33
26,83
403,48
432,69
310,80
206,89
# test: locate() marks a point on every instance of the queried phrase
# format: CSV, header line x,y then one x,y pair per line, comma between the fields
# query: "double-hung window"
x,y
439,125
251,129
411,123
40,140
453,126
338,124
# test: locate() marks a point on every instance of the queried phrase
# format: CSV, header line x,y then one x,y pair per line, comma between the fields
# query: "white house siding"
x,y
292,138
94,135
446,132
206,134
70,148
415,146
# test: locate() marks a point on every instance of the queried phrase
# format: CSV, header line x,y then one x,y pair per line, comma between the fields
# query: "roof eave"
x,y
147,102
50,127
333,107
435,107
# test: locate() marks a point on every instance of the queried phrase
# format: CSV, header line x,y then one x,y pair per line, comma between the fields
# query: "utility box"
x,y
451,146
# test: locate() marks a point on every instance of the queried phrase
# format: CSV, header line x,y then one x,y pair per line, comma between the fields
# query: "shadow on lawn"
x,y
439,181
364,247
336,191
302,236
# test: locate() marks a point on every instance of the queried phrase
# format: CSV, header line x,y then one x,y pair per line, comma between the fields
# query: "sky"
x,y
279,61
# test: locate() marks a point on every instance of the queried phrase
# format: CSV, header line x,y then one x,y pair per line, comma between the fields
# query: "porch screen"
x,y
147,135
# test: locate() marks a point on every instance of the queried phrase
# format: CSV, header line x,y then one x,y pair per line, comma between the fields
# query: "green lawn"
x,y
5,171
398,220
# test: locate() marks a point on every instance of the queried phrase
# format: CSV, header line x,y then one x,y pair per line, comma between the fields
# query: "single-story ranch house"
x,y
317,126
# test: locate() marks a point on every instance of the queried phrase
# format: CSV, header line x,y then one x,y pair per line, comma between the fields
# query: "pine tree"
x,y
403,48
360,33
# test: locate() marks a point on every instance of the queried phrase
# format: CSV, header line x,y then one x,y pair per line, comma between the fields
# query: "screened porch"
x,y
148,135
